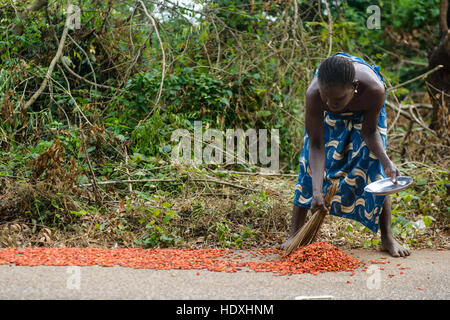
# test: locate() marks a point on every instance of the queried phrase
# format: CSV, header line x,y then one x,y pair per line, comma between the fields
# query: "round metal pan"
x,y
385,186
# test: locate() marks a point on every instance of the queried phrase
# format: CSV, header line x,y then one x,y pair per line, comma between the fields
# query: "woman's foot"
x,y
394,248
388,242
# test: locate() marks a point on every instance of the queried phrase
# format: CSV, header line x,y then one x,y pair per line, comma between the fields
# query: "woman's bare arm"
x,y
371,135
314,129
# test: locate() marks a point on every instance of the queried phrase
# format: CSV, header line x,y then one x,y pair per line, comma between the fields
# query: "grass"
x,y
222,217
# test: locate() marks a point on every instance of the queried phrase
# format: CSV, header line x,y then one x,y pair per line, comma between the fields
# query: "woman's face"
x,y
337,97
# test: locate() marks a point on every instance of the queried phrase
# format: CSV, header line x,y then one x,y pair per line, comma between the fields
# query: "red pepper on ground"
x,y
315,258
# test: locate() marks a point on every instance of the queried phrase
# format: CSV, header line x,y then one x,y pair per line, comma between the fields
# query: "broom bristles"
x,y
308,232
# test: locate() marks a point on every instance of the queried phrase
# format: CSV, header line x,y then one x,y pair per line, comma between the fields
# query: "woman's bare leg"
x,y
388,242
297,221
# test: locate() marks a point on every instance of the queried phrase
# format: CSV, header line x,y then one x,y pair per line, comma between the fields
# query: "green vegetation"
x,y
88,163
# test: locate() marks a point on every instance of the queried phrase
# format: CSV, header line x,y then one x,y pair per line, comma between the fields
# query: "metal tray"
x,y
385,186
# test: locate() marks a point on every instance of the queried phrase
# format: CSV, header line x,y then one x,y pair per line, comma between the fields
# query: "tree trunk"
x,y
35,6
438,83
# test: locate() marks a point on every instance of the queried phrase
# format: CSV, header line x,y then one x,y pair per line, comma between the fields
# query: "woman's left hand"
x,y
391,171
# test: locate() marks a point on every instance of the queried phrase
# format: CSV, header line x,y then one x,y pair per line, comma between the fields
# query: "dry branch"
x,y
158,97
165,180
35,6
91,170
443,16
330,28
408,115
52,63
422,76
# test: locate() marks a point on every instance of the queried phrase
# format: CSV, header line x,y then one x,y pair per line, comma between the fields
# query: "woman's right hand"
x,y
318,203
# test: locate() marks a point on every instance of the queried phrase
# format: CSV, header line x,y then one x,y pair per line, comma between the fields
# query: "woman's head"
x,y
337,82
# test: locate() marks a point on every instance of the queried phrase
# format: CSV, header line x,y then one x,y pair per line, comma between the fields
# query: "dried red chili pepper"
x,y
315,258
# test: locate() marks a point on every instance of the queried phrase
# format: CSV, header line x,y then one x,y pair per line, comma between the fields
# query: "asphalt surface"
x,y
425,277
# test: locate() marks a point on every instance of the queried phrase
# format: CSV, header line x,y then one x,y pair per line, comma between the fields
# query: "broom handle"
x,y
297,238
330,194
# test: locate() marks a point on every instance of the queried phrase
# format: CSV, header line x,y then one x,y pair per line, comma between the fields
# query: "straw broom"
x,y
308,232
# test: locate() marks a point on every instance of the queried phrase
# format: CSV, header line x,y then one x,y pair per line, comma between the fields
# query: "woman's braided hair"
x,y
336,70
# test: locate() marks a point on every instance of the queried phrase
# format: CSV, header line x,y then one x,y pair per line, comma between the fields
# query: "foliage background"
x,y
123,85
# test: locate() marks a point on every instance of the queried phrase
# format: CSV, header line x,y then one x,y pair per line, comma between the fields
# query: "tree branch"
x,y
330,28
416,78
35,6
443,17
52,63
158,97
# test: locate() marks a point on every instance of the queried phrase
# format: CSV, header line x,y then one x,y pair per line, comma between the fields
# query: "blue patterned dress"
x,y
349,160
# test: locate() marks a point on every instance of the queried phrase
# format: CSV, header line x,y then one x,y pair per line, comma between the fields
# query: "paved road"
x,y
427,277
